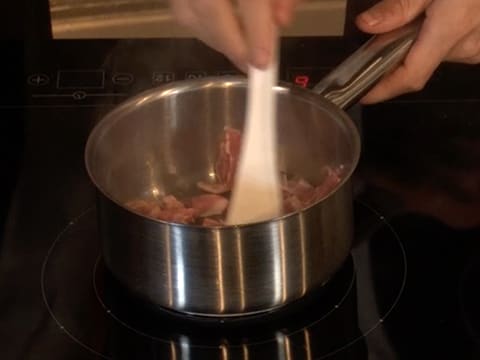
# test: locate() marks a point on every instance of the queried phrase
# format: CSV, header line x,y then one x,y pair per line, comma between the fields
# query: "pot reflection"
x,y
322,325
298,346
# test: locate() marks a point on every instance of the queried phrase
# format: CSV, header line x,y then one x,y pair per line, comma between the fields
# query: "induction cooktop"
x,y
408,290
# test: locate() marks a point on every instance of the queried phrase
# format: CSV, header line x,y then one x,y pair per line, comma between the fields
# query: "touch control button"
x,y
122,79
38,80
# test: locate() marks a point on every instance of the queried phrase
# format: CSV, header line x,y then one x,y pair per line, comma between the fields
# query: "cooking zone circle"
x,y
89,307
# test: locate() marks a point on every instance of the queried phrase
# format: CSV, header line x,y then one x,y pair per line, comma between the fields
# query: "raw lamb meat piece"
x,y
212,222
207,209
209,204
170,202
182,216
228,156
167,209
291,203
332,179
226,164
217,188
298,194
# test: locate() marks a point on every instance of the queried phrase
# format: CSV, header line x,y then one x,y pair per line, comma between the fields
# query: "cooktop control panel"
x,y
108,71
103,72
84,86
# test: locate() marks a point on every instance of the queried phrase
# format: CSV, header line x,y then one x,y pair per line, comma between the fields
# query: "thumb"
x,y
388,15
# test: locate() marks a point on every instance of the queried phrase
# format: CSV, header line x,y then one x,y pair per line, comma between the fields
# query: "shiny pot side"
x,y
231,271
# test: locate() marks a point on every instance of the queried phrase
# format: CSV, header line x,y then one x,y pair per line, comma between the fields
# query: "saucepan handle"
x,y
352,79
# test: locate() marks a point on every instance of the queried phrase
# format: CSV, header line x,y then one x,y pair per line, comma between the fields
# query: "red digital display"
x,y
302,80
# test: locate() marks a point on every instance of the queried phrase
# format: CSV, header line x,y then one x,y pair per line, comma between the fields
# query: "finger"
x,y
467,50
214,22
260,30
472,60
399,82
422,60
284,10
390,14
439,34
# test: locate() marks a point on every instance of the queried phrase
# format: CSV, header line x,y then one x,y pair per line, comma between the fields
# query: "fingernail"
x,y
241,62
260,58
371,17
243,67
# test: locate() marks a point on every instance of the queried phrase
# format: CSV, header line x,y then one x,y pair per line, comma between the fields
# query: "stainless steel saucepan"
x,y
165,140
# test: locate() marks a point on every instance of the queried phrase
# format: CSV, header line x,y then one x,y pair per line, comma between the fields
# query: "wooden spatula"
x,y
256,193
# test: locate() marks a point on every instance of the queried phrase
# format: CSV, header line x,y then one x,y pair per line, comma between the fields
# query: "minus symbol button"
x,y
122,79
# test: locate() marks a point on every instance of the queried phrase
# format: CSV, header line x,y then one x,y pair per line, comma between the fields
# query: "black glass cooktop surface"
x,y
409,289
78,296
